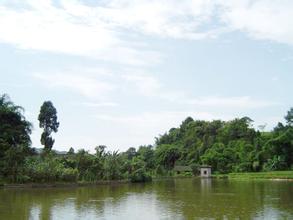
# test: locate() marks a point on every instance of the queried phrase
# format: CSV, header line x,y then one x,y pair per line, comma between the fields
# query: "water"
x,y
167,199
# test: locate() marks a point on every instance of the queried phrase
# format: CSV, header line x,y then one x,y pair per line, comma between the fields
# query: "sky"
x,y
122,72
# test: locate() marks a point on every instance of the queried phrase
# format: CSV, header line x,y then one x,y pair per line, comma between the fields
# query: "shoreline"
x,y
272,176
81,184
61,184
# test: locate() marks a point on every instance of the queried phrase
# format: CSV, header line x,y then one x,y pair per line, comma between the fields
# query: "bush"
x,y
187,174
195,169
69,175
161,171
140,175
183,174
276,163
47,170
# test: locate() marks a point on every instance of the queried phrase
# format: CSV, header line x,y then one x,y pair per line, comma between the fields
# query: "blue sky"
x,y
122,72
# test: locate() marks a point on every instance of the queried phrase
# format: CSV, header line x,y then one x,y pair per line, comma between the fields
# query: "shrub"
x,y
69,175
140,175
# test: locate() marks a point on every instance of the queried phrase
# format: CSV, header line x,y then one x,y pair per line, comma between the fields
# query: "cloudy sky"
x,y
121,72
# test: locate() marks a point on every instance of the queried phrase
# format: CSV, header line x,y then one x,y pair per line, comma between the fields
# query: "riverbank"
x,y
273,175
64,184
82,183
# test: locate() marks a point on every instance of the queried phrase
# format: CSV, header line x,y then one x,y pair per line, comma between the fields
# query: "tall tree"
x,y
48,121
14,138
289,117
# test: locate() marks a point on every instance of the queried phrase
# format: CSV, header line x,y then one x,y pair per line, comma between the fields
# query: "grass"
x,y
259,175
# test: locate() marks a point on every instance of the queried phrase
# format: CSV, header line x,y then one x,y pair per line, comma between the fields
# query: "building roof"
x,y
205,166
182,168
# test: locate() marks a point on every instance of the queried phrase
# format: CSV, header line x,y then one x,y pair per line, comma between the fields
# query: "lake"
x,y
165,199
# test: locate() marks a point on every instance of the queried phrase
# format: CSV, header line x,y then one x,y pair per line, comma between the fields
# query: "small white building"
x,y
205,171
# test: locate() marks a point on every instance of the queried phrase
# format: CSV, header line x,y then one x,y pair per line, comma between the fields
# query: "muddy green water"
x,y
167,199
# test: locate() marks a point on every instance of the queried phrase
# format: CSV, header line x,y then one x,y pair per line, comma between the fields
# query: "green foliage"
x,y
140,175
276,163
187,174
221,158
87,166
113,164
131,153
71,151
147,154
278,151
195,168
48,121
167,155
161,171
50,169
232,146
261,175
69,175
14,139
228,146
289,117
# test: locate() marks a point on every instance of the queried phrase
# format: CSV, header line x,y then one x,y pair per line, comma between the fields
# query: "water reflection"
x,y
206,185
168,199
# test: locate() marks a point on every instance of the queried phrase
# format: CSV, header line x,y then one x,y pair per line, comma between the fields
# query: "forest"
x,y
228,146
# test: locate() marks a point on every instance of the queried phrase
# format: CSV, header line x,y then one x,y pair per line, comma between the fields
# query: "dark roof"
x,y
182,168
205,166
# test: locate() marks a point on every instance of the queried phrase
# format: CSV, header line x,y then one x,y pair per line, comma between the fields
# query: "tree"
x,y
14,138
113,166
70,151
147,154
48,121
86,165
220,157
281,145
131,152
289,117
167,155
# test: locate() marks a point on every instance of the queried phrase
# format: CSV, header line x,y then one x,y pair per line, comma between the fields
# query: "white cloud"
x,y
118,31
42,26
146,84
88,86
98,83
165,18
48,28
14,85
261,19
109,30
230,102
100,104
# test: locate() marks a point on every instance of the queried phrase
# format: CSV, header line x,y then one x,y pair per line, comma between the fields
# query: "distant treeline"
x,y
228,146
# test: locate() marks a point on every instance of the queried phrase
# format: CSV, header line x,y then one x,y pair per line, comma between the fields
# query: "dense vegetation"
x,y
232,146
228,146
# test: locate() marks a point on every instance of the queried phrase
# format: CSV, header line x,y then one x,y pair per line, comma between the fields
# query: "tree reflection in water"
x,y
166,199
